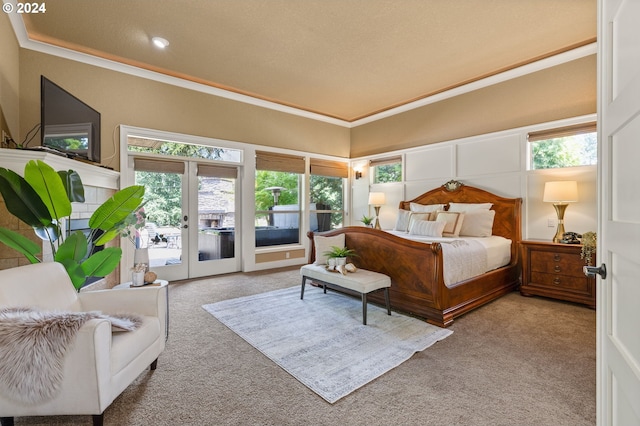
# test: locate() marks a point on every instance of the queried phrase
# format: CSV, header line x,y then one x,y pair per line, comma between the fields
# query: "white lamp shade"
x,y
565,191
376,198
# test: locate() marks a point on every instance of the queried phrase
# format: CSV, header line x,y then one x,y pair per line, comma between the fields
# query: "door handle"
x,y
591,271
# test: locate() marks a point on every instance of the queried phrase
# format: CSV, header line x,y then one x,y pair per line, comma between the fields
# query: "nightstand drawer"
x,y
557,263
564,282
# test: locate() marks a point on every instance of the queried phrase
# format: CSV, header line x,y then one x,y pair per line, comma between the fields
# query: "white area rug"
x,y
321,340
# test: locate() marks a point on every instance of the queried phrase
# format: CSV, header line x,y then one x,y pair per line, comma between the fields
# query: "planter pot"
x,y
341,261
137,279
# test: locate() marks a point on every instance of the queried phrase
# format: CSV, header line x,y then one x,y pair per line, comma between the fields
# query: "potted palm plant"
x,y
338,255
42,199
367,221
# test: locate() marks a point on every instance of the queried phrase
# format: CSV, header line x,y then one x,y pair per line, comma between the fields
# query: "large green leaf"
x,y
48,185
22,200
73,185
20,243
74,247
106,237
117,208
103,262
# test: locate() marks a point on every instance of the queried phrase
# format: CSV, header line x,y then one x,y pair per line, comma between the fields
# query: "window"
x,y
326,194
277,198
386,170
155,146
563,147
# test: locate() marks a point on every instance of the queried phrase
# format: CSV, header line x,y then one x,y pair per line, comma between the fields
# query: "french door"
x,y
190,210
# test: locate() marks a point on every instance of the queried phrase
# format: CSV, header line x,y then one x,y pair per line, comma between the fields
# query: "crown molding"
x,y
26,43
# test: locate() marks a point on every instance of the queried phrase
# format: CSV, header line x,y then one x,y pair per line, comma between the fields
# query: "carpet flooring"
x,y
321,340
523,361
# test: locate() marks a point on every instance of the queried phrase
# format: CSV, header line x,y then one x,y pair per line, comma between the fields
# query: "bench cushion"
x,y
362,281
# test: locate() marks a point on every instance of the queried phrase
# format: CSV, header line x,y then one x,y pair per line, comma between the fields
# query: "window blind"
x,y
329,168
158,166
561,132
385,161
279,162
210,170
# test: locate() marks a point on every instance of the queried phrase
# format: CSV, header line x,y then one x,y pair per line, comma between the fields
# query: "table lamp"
x,y
560,194
376,199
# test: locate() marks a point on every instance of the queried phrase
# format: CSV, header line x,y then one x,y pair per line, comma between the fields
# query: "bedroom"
x,y
139,102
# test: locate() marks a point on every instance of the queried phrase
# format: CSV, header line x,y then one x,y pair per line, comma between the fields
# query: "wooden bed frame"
x,y
417,284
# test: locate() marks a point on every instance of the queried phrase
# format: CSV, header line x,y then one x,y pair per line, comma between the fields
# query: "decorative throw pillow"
x,y
425,208
324,244
402,223
427,228
478,223
453,222
418,216
467,207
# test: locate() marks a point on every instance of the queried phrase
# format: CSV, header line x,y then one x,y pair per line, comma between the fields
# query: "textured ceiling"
x,y
346,59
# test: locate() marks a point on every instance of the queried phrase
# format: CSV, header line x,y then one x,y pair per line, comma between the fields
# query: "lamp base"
x,y
560,208
377,223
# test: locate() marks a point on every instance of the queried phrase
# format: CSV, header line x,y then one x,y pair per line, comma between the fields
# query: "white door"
x,y
618,304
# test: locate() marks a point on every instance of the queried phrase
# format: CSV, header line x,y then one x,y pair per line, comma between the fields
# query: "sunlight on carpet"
x,y
321,340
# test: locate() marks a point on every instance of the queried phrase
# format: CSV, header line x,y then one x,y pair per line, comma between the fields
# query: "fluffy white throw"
x,y
33,345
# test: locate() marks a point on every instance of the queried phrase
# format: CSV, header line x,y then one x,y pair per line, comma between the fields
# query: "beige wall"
x,y
9,79
134,101
564,91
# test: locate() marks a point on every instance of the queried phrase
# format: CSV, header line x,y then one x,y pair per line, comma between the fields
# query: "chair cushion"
x,y
127,345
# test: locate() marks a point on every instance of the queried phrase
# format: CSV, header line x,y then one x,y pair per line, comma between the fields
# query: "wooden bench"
x,y
361,281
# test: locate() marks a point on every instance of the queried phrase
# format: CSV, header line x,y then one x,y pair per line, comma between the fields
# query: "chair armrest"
x,y
150,301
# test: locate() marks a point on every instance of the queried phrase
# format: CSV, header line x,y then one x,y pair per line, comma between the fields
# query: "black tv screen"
x,y
68,124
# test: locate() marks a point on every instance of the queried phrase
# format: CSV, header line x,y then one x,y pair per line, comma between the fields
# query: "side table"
x,y
555,270
163,283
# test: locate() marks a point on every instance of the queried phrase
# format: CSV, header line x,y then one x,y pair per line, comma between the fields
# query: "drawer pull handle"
x,y
556,257
556,268
556,281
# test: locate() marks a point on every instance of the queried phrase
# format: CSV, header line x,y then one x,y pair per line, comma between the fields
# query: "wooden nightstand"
x,y
555,270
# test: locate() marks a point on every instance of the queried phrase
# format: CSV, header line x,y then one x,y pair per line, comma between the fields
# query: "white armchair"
x,y
99,364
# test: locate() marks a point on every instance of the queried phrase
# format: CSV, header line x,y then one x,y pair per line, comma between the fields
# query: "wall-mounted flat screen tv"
x,y
68,124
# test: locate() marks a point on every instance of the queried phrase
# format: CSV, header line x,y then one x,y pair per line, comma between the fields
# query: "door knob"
x,y
591,271
185,226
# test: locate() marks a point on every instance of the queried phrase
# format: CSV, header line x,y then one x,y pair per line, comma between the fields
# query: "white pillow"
x,y
324,244
402,223
418,216
453,221
467,207
427,228
478,223
425,208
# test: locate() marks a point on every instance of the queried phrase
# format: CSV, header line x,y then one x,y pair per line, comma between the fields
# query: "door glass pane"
x,y
216,218
163,209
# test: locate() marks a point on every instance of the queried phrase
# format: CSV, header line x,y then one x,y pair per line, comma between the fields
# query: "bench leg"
x,y
364,308
386,300
302,290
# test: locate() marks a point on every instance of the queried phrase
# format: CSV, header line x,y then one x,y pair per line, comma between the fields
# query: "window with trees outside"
x,y
326,194
563,147
278,197
385,170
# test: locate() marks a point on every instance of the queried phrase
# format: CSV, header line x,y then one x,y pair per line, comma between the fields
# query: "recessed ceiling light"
x,y
160,42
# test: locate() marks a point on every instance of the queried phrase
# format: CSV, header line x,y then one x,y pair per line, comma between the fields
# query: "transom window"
x,y
385,170
564,147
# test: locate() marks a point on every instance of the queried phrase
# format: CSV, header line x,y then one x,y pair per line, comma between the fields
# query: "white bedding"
x,y
467,257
